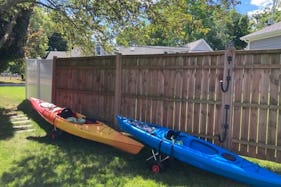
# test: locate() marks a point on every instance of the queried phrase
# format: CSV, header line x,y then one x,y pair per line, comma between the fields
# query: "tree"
x,y
13,27
227,27
169,23
39,29
80,22
240,27
177,22
57,43
17,66
263,18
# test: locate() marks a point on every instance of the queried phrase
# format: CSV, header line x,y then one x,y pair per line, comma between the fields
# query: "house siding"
x,y
268,43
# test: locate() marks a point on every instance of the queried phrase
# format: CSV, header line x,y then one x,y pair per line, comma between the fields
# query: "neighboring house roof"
x,y
267,32
196,46
150,50
76,52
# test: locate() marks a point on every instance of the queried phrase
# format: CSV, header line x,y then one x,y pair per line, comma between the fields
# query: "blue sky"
x,y
248,6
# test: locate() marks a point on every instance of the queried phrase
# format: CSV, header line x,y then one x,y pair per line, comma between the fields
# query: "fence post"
x,y
226,84
38,66
53,98
117,94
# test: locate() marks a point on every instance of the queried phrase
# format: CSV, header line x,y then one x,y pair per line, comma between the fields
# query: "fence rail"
x,y
181,91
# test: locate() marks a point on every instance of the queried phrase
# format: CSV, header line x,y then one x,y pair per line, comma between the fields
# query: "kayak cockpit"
x,y
203,147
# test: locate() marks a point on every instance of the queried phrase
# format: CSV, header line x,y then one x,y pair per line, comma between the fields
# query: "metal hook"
x,y
228,77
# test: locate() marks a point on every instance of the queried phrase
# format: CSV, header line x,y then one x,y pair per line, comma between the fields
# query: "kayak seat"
x,y
66,113
171,134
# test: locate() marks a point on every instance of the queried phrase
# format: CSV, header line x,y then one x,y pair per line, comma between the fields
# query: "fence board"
x,y
264,113
238,98
246,118
252,132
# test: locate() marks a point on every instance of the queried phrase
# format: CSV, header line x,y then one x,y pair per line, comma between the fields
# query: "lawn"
x,y
33,159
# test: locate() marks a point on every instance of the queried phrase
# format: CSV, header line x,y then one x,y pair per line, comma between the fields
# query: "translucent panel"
x,y
39,79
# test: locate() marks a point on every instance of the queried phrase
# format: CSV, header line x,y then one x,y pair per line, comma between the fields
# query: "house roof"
x,y
76,52
196,46
267,32
150,50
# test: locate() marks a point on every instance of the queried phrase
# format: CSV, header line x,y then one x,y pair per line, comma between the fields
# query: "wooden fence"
x,y
181,91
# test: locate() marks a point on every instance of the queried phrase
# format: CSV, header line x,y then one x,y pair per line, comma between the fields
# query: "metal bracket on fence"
x,y
226,125
228,77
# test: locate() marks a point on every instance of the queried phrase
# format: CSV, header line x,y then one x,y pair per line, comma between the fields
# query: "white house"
x,y
266,38
196,46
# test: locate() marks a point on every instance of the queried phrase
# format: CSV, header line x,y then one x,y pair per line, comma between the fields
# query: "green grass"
x,y
11,96
32,159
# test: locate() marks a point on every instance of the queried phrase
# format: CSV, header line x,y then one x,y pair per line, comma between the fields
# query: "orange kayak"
x,y
77,124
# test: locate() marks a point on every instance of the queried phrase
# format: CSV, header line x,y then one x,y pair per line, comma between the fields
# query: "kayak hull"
x,y
199,153
95,131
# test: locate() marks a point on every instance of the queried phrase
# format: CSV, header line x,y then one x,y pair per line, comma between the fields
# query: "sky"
x,y
250,6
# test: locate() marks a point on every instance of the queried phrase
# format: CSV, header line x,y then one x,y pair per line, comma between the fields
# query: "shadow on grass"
x,y
72,161
26,108
6,126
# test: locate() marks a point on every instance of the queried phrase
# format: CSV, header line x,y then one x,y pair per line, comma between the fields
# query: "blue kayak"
x,y
199,153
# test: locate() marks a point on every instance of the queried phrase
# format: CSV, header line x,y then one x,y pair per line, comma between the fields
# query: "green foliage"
x,y
262,19
240,27
57,43
175,23
39,29
228,4
81,23
17,66
169,23
226,29
13,29
85,24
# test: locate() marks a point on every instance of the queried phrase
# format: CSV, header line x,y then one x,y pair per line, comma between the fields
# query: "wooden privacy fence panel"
x,y
177,91
256,124
86,85
181,91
